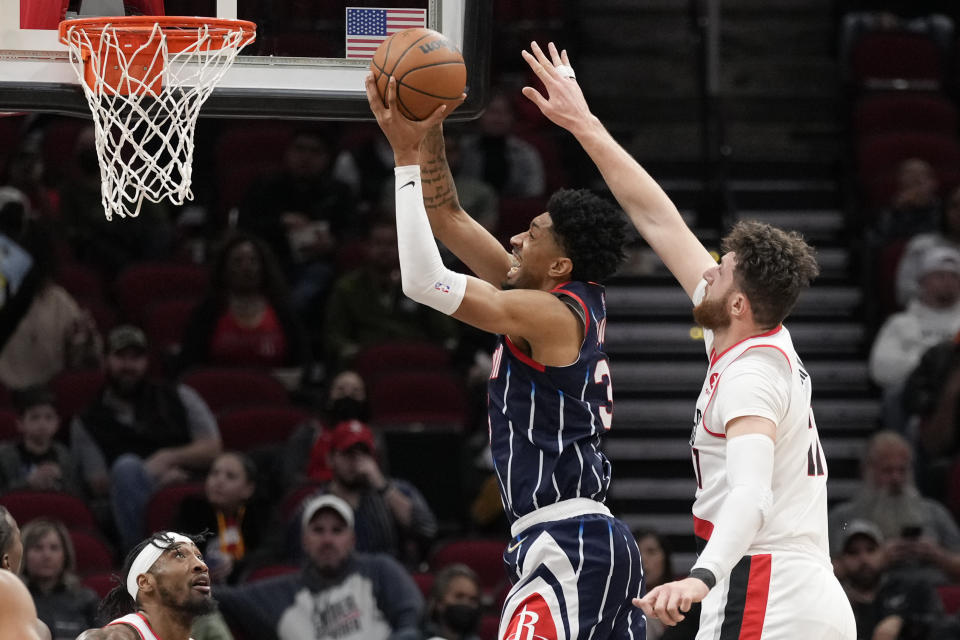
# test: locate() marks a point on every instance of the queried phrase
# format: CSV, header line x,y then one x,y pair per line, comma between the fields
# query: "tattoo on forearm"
x,y
439,190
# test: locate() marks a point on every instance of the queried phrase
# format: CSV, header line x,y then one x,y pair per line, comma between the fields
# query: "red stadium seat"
x,y
164,505
950,596
26,505
515,216
235,388
140,285
429,398
101,582
399,355
8,425
271,571
165,324
485,557
93,554
896,59
81,281
489,626
251,427
887,112
76,390
236,169
424,582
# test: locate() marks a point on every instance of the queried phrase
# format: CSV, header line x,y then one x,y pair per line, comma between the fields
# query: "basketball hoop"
x,y
145,79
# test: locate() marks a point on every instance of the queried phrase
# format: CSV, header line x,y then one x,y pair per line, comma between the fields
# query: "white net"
x,y
145,96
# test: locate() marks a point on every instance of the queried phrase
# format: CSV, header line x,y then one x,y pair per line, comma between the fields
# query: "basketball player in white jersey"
x,y
18,615
165,586
761,506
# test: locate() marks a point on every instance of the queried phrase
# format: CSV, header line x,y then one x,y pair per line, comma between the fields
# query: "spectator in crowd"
x,y
307,451
908,271
107,244
228,509
923,541
367,305
246,319
49,565
302,212
453,608
365,167
884,606
37,461
392,516
657,561
930,318
914,207
26,173
931,400
140,434
500,158
341,593
42,329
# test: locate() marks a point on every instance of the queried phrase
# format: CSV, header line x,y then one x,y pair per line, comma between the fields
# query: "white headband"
x,y
148,556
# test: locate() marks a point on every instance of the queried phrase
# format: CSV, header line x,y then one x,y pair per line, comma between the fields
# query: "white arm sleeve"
x,y
422,274
750,477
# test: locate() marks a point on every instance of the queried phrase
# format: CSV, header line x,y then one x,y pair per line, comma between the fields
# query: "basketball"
x,y
428,68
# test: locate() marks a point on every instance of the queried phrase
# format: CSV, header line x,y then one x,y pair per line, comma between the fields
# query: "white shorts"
x,y
777,597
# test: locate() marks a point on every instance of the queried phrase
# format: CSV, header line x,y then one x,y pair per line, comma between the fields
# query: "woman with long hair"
x,y
49,565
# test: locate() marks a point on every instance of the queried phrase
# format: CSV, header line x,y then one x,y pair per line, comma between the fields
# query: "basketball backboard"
x,y
299,66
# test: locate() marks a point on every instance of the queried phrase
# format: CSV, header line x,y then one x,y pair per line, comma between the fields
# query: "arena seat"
x,y
878,157
885,112
93,554
225,388
8,425
250,427
164,505
101,582
484,556
424,582
430,398
26,505
489,626
950,597
164,325
271,571
140,285
81,282
896,59
399,355
76,390
515,216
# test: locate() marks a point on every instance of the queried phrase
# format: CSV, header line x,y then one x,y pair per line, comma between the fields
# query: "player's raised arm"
x,y
650,209
453,226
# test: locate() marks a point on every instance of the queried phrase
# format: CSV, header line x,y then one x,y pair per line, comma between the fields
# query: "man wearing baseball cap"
x,y
139,434
341,593
882,604
389,512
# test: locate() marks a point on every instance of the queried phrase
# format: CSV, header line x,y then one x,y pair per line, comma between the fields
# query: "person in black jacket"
x,y
246,319
228,509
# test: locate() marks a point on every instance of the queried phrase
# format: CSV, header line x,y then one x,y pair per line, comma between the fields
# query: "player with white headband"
x,y
165,585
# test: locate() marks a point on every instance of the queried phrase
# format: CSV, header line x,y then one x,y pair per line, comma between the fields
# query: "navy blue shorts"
x,y
573,579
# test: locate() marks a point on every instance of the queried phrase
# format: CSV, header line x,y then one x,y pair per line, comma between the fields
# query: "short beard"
x,y
890,512
188,608
864,579
713,314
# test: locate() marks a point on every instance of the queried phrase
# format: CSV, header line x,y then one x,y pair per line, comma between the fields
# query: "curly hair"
x,y
772,267
273,284
118,603
591,231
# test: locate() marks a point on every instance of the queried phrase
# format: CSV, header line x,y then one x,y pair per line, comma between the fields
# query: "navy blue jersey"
x,y
545,422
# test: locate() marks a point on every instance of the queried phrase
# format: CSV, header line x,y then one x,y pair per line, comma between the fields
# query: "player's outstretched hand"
x,y
670,601
564,105
403,134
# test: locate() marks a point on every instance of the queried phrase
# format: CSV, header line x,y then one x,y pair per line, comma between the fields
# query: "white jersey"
x,y
139,623
762,376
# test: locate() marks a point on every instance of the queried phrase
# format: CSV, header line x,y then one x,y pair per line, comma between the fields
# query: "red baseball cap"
x,y
350,433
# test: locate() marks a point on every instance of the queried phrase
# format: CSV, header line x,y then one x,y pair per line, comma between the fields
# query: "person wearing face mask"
x,y
453,608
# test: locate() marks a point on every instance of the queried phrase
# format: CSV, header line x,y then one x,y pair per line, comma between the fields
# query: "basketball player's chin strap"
x,y
422,274
749,478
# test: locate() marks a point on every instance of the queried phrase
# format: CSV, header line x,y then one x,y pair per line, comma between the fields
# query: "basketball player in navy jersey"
x,y
763,571
574,567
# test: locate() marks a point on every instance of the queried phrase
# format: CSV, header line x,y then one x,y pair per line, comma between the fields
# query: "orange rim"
x,y
133,28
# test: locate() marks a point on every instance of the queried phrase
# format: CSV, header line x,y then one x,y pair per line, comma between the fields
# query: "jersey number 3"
x,y
601,375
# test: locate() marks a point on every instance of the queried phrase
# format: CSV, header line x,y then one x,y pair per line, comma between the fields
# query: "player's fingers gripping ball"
x,y
428,68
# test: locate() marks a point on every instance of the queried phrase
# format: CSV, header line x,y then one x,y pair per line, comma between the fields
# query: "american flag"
x,y
367,28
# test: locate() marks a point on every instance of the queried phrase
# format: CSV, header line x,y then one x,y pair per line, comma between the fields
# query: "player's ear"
x,y
739,305
561,268
146,582
5,562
